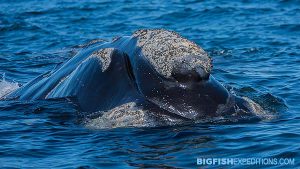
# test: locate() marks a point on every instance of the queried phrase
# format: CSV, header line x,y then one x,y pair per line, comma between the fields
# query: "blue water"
x,y
255,46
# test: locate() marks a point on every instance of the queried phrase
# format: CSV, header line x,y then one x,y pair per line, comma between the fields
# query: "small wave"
x,y
7,87
220,52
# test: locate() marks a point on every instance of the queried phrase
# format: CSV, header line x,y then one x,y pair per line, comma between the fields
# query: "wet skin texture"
x,y
255,47
105,75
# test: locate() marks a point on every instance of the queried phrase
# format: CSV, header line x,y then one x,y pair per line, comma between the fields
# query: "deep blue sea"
x,y
255,46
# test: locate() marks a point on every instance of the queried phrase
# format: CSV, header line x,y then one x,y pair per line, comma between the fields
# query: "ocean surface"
x,y
255,46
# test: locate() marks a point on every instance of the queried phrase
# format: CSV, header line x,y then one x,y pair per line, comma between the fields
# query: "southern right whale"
x,y
154,77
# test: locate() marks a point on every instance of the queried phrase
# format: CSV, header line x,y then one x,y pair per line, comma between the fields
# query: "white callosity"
x,y
125,115
104,55
166,50
128,115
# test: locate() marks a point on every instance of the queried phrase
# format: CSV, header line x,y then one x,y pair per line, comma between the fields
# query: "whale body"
x,y
153,77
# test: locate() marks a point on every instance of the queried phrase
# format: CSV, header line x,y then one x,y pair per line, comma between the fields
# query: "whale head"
x,y
174,73
173,56
152,72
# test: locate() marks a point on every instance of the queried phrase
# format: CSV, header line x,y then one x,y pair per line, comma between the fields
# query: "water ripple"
x,y
255,48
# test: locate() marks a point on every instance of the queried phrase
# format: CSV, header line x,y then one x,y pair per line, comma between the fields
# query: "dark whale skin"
x,y
106,75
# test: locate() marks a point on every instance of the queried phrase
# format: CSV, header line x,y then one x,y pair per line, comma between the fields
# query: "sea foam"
x,y
7,87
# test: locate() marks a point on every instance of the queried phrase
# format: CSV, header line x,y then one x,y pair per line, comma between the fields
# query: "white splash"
x,y
7,87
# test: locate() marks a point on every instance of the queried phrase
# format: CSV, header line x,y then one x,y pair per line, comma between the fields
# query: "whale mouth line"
x,y
158,71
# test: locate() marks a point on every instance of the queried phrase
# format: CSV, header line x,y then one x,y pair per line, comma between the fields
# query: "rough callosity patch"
x,y
126,115
166,50
105,57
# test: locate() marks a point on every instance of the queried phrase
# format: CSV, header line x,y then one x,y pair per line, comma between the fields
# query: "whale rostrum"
x,y
154,77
